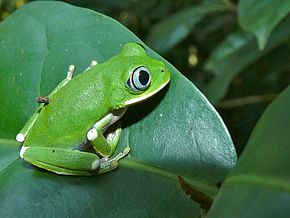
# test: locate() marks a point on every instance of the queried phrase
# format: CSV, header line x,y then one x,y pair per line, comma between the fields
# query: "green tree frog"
x,y
84,111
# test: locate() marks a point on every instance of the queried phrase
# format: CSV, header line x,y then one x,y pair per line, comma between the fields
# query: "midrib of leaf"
x,y
134,164
9,164
260,181
9,142
12,143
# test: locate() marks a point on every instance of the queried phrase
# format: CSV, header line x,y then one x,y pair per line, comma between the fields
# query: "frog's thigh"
x,y
62,161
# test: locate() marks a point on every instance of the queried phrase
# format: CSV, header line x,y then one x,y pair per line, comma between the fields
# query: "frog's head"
x,y
142,77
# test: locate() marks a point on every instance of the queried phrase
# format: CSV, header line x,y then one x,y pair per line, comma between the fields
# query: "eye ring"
x,y
139,80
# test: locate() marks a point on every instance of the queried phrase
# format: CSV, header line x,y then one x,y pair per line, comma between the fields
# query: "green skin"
x,y
80,112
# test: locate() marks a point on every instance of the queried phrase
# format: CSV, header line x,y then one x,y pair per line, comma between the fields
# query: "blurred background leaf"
x,y
234,54
259,184
261,17
170,31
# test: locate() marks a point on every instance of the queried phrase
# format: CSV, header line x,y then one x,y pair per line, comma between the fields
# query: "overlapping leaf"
x,y
167,33
259,185
261,17
234,54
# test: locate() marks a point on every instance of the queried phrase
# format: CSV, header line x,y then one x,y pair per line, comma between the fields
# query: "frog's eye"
x,y
139,79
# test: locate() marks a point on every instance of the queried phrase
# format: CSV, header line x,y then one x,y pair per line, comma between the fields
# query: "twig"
x,y
246,100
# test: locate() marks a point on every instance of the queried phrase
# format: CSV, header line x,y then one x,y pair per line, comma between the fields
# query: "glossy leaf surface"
x,y
175,133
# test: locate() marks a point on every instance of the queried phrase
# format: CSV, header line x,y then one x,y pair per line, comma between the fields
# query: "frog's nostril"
x,y
162,70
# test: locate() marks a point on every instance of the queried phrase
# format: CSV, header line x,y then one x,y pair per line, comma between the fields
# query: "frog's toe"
x,y
92,134
22,151
20,137
93,63
70,72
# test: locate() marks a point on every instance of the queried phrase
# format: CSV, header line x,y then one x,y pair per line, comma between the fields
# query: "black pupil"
x,y
143,77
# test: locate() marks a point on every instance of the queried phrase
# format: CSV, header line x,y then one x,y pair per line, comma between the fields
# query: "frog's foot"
x,y
63,161
109,164
93,63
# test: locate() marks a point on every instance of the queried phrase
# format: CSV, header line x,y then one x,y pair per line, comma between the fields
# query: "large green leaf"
x,y
261,17
175,133
259,186
234,54
170,31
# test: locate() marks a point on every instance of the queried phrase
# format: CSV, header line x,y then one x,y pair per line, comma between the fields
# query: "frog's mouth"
x,y
146,96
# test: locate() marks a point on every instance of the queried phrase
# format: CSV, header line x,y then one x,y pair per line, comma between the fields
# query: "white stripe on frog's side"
x,y
143,97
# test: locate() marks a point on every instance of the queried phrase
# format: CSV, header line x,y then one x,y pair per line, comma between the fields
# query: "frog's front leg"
x,y
93,63
69,76
43,100
69,162
106,146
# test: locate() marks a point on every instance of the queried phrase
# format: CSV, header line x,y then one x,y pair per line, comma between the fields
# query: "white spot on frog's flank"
x,y
160,115
22,51
96,164
20,137
92,134
22,151
66,49
20,74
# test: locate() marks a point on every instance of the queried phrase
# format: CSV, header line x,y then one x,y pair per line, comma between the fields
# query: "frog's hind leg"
x,y
62,161
69,162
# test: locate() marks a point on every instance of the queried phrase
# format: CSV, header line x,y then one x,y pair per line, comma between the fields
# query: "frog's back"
x,y
71,112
